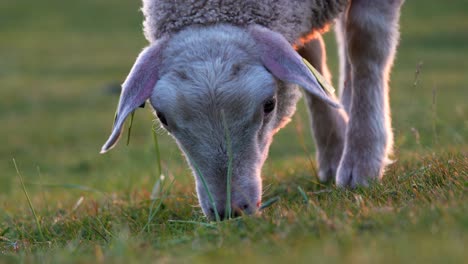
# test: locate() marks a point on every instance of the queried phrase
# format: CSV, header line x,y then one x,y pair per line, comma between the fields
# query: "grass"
x,y
36,219
58,64
207,190
229,166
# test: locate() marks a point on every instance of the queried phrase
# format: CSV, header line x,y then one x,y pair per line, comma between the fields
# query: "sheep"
x,y
218,70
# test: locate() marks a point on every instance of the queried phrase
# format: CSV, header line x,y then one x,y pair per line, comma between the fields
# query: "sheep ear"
x,y
136,89
279,57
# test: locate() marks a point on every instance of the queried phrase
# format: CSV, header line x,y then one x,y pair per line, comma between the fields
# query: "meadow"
x,y
61,63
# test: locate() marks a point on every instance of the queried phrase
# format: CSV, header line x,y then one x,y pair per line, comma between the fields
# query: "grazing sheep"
x,y
218,70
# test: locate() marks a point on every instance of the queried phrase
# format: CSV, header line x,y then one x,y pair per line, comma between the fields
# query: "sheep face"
x,y
222,92
222,106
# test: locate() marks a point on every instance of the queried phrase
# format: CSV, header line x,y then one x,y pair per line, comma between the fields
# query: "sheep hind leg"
x,y
345,91
328,123
371,40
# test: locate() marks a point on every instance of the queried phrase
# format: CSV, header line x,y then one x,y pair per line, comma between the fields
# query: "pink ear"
x,y
136,89
285,63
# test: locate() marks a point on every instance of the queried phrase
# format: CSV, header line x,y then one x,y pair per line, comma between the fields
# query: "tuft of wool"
x,y
292,18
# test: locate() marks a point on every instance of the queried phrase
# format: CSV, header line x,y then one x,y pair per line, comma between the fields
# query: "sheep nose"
x,y
219,210
236,211
222,213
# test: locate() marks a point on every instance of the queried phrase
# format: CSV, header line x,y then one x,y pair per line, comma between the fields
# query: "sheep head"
x,y
222,92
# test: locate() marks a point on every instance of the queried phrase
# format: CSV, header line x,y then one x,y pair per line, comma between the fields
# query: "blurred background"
x,y
61,63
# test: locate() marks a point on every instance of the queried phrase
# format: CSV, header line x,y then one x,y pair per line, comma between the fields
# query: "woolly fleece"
x,y
292,18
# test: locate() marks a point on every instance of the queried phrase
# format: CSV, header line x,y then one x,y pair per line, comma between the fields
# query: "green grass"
x,y
57,62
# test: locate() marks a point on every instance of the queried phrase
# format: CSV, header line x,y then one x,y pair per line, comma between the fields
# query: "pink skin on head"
x,y
286,64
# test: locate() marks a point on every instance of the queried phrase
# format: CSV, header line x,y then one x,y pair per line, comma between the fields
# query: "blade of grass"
x,y
66,186
156,188
159,180
152,213
100,234
269,202
300,137
323,191
229,169
38,224
303,194
158,153
160,185
205,185
130,128
193,222
109,233
4,231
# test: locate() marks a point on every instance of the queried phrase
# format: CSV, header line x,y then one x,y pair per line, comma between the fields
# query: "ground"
x,y
60,66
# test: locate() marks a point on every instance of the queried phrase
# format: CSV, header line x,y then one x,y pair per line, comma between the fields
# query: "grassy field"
x,y
59,63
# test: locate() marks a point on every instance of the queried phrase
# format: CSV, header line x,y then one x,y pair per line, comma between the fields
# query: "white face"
x,y
213,89
192,110
221,92
200,83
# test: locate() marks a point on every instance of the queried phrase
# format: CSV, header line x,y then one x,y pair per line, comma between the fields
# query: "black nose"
x,y
235,212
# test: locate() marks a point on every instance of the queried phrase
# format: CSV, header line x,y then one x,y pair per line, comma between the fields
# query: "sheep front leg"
x,y
328,123
371,33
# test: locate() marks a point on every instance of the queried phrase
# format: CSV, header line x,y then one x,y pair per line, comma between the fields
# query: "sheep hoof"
x,y
359,169
328,164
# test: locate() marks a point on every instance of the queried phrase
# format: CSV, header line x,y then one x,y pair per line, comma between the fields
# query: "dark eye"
x,y
162,118
269,105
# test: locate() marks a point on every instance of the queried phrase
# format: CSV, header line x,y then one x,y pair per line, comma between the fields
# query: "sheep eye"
x,y
269,105
162,118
